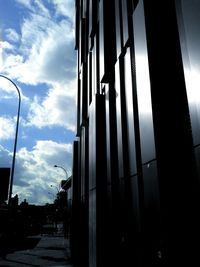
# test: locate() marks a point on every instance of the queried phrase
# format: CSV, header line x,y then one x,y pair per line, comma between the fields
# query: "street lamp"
x,y
57,166
56,188
15,143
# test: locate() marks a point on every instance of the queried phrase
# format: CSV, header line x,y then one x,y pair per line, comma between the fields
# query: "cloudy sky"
x,y
37,53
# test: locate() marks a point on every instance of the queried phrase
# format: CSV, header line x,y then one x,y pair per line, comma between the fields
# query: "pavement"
x,y
46,250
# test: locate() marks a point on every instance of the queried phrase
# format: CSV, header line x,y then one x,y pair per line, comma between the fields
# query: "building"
x,y
136,166
4,184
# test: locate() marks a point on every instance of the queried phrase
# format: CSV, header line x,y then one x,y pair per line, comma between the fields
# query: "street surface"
x,y
39,251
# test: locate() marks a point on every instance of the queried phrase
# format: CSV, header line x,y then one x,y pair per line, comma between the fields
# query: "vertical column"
x,y
188,21
97,181
76,185
175,156
150,183
84,204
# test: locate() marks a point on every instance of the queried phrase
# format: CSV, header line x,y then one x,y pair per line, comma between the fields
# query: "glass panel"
x,y
83,163
94,68
92,145
117,27
135,206
119,119
130,114
151,198
189,28
92,228
101,41
108,141
89,76
143,86
124,22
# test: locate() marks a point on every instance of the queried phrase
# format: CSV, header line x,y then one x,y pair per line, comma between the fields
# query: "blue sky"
x,y
37,53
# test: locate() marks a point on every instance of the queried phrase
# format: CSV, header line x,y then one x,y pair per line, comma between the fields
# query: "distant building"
x,y
4,183
136,165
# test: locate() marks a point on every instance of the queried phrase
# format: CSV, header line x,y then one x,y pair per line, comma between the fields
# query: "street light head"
x,y
62,169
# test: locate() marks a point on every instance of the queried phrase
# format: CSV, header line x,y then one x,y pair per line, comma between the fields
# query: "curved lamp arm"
x,y
16,135
57,166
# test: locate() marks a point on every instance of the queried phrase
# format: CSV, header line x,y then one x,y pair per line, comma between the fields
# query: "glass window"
x,y
143,85
188,12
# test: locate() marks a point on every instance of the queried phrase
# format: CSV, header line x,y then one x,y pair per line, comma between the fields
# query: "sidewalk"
x,y
51,250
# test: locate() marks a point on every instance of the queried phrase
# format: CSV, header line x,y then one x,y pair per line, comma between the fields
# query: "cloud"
x,y
1,57
12,35
9,91
25,3
7,128
35,6
57,109
46,52
40,8
46,55
35,172
6,46
5,157
65,8
40,52
37,168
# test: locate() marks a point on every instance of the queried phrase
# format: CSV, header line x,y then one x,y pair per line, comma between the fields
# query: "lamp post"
x,y
15,143
57,166
58,190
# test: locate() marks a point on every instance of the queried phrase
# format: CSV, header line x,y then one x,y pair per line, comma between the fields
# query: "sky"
x,y
37,53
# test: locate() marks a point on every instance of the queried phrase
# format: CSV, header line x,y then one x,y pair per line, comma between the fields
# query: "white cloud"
x,y
40,8
1,57
37,168
35,172
35,6
47,53
5,157
25,3
58,108
44,54
9,91
1,60
12,35
7,128
6,45
65,8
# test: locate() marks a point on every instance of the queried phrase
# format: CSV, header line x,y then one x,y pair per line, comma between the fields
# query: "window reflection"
x,y
142,79
141,60
130,114
188,12
143,85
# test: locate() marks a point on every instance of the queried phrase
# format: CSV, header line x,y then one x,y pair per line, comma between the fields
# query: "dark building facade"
x,y
4,184
136,166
